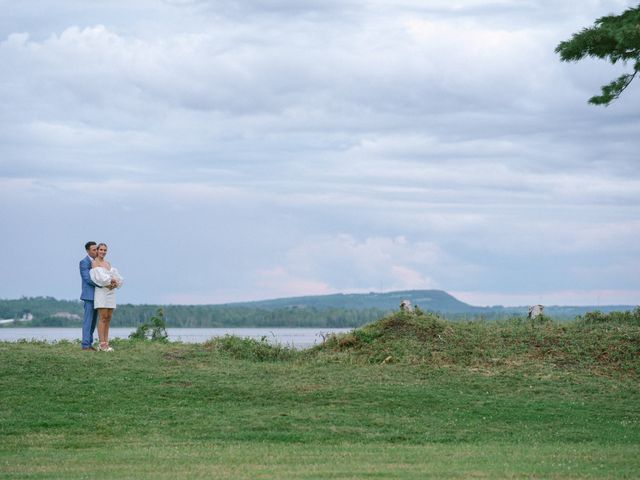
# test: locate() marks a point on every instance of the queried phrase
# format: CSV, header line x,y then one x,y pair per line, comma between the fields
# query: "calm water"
x,y
297,337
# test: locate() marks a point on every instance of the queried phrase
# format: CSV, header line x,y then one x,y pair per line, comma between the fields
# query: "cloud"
x,y
269,147
279,282
347,263
253,91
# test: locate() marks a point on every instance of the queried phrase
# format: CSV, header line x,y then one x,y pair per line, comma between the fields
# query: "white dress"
x,y
104,297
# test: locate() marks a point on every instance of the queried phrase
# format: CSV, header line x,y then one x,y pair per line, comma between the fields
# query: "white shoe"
x,y
105,348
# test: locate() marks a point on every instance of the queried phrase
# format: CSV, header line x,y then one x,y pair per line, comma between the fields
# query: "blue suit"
x,y
90,314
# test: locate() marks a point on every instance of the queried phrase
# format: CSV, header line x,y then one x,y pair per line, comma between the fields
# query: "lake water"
x,y
296,337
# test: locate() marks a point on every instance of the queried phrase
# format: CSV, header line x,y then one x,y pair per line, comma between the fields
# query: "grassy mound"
x,y
599,343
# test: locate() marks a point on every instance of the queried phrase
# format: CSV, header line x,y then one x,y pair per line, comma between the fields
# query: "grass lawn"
x,y
152,410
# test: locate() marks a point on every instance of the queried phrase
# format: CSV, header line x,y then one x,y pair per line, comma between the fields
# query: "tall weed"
x,y
251,349
630,317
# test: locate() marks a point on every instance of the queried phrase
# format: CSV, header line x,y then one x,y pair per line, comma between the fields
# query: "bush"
x,y
154,329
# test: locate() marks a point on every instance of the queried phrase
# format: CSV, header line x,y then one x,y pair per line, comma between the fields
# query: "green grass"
x,y
508,400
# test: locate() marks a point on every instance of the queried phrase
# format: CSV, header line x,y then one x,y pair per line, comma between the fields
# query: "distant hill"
x,y
433,300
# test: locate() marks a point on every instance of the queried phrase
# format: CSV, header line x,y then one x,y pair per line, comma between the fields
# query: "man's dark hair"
x,y
89,244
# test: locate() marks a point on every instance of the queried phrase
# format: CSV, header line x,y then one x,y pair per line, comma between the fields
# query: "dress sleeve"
x,y
100,277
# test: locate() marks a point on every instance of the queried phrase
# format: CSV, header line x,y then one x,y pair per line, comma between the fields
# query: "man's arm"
x,y
84,273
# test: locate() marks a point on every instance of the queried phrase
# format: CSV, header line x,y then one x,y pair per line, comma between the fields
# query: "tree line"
x,y
50,312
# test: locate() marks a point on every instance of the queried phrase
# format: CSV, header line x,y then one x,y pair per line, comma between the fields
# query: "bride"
x,y
107,280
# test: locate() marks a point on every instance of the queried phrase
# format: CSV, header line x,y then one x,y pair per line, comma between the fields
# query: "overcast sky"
x,y
256,149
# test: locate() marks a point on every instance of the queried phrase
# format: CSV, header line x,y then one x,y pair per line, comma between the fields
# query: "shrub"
x,y
154,329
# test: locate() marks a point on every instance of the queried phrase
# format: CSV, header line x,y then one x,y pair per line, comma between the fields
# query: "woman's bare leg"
x,y
107,323
101,325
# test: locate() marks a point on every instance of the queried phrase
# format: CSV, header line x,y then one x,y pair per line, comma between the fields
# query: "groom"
x,y
88,289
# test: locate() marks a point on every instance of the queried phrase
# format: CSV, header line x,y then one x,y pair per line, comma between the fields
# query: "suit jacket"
x,y
88,287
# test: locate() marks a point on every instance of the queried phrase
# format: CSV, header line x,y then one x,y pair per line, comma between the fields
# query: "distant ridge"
x,y
433,300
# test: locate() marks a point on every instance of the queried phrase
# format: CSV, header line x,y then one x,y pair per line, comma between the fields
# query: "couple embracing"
x,y
99,281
